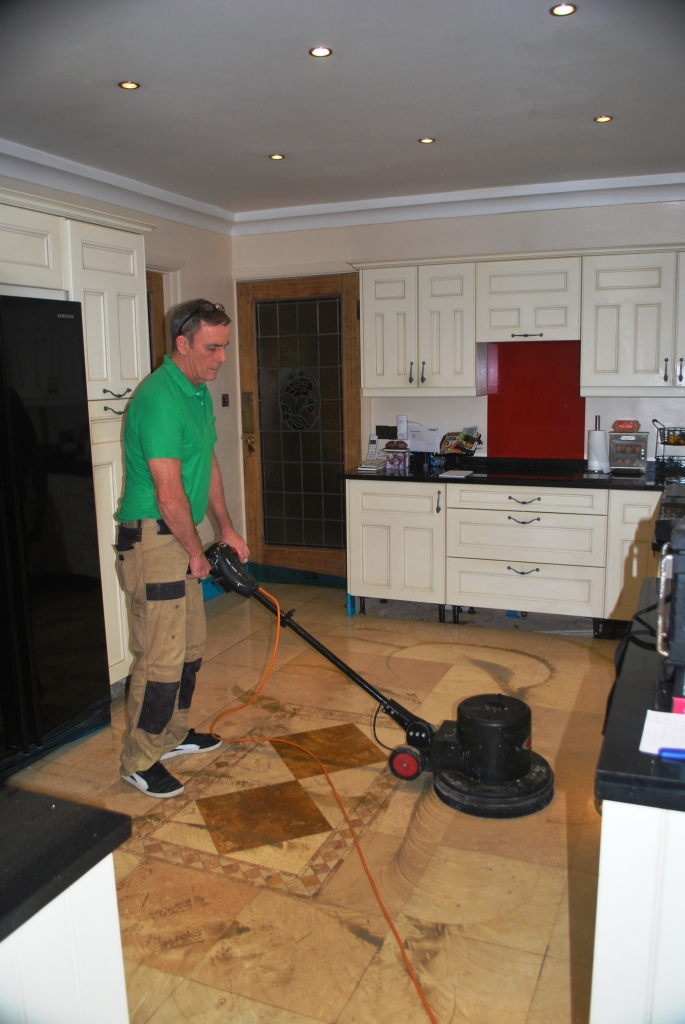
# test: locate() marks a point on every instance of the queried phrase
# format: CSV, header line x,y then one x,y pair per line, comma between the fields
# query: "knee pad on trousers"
x,y
190,671
158,706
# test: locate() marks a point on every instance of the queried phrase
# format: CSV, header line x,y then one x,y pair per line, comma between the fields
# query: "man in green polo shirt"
x,y
172,476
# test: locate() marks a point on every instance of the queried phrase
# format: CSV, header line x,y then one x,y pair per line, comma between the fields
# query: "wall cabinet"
x,y
396,540
536,300
31,249
107,271
630,558
447,336
389,329
628,324
106,430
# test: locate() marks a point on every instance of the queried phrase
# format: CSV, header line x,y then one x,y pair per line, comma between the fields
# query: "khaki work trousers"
x,y
168,631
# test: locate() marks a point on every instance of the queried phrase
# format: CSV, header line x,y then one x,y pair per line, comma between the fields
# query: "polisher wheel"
x,y
406,763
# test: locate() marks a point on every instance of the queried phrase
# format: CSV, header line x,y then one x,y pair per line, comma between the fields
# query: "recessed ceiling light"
x,y
320,51
276,156
427,141
603,118
561,10
129,85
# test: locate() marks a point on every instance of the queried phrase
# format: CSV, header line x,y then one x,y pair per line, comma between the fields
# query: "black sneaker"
x,y
194,743
156,781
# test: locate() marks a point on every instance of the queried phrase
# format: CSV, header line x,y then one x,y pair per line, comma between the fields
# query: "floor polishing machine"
x,y
482,763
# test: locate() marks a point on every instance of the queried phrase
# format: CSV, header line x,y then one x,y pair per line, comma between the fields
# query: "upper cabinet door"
x,y
679,378
108,279
628,323
30,248
388,315
528,300
447,328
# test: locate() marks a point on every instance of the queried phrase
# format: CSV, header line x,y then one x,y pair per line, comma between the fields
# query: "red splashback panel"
x,y
534,406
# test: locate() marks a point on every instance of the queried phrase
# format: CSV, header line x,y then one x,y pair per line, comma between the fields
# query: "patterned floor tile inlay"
x,y
337,747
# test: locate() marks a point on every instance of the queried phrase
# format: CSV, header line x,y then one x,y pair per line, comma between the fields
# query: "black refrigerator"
x,y
54,679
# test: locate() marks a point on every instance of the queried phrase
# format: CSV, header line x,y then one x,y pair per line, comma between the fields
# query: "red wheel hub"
x,y
405,765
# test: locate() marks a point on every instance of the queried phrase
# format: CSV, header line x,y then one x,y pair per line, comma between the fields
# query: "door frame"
x,y
346,287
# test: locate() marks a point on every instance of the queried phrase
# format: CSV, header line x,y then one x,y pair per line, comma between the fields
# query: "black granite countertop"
x,y
47,844
623,773
524,473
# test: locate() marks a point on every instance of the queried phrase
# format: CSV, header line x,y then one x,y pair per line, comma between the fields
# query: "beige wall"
x,y
206,272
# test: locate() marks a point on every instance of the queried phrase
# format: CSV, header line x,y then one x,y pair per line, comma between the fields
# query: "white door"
x,y
106,433
630,558
396,540
388,318
528,300
30,248
108,278
447,327
628,324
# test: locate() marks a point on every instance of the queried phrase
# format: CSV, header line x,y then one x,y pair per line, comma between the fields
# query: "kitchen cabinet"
x,y
447,334
628,325
396,540
630,558
526,535
679,375
528,300
107,276
531,586
389,330
106,431
31,249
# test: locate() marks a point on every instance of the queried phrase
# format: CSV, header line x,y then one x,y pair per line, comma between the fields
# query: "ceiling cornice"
x,y
39,168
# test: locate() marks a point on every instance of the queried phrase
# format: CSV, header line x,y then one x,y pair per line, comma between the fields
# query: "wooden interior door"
x,y
320,558
155,316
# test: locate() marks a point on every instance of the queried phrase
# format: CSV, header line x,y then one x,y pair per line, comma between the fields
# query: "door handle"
x,y
666,370
438,506
527,335
249,441
522,572
117,412
525,522
106,391
519,501
423,375
411,373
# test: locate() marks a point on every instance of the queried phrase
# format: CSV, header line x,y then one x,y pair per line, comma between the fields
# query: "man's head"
x,y
199,336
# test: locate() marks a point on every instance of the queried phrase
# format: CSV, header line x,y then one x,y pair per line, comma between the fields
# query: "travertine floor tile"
x,y
124,863
464,979
147,989
562,994
572,936
293,954
202,1004
511,903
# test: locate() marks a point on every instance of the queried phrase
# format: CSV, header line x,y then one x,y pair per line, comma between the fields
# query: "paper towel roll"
x,y
597,451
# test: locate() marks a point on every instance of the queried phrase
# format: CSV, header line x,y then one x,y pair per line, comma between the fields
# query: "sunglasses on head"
x,y
204,307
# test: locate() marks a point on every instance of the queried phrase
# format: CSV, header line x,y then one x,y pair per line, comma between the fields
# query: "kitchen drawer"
x,y
526,586
544,536
385,497
546,499
107,420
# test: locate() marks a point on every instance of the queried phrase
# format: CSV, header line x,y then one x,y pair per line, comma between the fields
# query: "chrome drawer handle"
x,y
438,507
520,502
521,572
106,391
108,408
525,522
527,335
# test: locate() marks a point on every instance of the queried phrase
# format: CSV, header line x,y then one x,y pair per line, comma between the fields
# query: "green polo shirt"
x,y
168,418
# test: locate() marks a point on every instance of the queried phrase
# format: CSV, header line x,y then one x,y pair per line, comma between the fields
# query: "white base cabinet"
x,y
396,540
526,586
630,558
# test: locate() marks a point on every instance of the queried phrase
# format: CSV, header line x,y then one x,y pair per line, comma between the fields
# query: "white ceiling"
x,y
508,91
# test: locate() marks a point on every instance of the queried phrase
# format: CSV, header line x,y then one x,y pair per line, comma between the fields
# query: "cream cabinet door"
x,y
528,300
447,328
679,379
629,550
526,586
107,269
388,318
30,248
628,324
396,540
106,433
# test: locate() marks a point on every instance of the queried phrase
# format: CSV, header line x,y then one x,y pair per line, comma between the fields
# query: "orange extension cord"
x,y
289,743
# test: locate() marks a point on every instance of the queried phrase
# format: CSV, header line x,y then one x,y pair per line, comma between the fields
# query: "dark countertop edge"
x,y
603,483
632,789
38,881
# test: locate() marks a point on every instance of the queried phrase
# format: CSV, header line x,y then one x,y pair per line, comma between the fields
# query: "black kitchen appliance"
x,y
55,679
482,763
